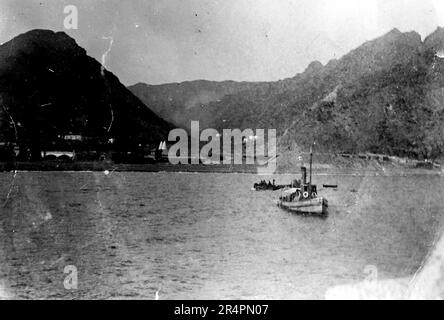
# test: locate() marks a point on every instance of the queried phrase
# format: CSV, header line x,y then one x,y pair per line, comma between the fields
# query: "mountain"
x,y
49,87
384,96
182,102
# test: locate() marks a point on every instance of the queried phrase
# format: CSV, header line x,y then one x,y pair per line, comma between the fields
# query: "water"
x,y
206,236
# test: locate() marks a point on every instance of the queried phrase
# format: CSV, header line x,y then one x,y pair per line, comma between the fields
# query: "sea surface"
x,y
207,236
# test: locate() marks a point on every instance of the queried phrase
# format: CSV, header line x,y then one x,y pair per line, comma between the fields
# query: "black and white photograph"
x,y
221,150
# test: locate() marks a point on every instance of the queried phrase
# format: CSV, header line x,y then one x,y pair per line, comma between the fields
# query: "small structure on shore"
x,y
65,155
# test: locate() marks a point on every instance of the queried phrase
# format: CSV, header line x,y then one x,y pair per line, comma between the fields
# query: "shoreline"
x,y
319,168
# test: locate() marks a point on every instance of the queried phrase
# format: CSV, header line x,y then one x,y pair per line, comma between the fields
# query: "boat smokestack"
x,y
304,175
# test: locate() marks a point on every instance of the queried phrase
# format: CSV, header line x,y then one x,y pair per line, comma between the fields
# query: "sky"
x,y
163,41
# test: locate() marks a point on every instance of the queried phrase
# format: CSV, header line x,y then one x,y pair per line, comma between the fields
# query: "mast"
x,y
311,161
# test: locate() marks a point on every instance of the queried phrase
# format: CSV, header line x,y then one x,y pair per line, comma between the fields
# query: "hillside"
x,y
384,96
180,102
49,86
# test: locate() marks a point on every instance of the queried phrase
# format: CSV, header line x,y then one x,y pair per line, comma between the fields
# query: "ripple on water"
x,y
182,235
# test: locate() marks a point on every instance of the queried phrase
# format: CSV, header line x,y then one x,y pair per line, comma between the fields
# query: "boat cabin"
x,y
300,189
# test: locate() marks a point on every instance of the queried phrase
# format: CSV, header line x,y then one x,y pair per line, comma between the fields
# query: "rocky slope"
x,y
49,86
385,96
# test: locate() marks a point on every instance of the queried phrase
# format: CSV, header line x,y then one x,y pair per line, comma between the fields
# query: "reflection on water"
x,y
204,236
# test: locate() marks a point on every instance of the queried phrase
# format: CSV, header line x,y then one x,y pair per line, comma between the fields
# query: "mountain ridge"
x,y
397,69
49,87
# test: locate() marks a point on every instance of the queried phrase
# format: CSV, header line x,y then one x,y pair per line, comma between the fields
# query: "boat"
x,y
302,196
267,186
316,205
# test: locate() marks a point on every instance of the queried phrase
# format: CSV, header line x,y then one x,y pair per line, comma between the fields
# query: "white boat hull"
x,y
312,206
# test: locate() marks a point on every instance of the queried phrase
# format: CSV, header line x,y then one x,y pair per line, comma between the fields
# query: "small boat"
x,y
316,205
302,197
267,186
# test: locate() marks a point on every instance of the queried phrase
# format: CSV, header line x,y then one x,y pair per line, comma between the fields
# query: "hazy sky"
x,y
175,40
